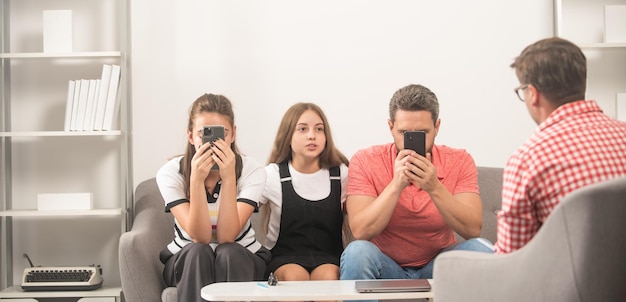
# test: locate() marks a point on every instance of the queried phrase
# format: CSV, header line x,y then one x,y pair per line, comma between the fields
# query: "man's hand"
x,y
421,171
402,173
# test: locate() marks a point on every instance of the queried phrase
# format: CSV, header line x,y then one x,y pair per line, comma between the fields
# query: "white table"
x,y
299,291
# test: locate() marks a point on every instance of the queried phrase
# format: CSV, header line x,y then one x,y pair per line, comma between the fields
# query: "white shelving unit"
x,y
38,156
582,22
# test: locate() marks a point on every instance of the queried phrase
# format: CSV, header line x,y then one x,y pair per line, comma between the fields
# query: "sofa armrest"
x,y
470,276
140,268
141,271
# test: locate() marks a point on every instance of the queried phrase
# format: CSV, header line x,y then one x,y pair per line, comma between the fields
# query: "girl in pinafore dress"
x,y
304,191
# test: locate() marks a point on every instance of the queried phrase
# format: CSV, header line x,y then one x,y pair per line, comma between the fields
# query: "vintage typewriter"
x,y
61,278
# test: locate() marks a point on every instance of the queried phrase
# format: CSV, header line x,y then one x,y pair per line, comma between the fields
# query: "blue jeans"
x,y
363,260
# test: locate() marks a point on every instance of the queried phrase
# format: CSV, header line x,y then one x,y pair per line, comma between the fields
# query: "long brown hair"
x,y
208,103
330,156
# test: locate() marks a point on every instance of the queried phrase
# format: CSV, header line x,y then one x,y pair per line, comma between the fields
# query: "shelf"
x,y
602,45
37,213
39,154
44,55
60,133
17,292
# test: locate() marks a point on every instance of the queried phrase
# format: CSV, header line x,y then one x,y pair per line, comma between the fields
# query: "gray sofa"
x,y
152,229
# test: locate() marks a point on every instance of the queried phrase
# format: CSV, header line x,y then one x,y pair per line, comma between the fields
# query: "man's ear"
x,y
533,94
437,124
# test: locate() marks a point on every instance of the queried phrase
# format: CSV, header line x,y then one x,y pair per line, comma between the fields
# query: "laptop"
x,y
392,285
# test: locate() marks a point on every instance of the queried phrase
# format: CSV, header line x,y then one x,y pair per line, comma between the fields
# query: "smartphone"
x,y
210,134
416,141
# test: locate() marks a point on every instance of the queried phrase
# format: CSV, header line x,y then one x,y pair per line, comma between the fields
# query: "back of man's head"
x,y
555,67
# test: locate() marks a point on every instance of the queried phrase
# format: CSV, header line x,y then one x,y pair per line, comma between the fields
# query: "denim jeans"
x,y
363,260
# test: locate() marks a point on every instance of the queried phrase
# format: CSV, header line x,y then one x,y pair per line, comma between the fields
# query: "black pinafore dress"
x,y
310,230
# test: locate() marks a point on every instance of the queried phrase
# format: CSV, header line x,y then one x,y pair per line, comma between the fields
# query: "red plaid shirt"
x,y
575,146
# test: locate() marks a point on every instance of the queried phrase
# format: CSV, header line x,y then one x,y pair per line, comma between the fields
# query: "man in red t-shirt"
x,y
404,208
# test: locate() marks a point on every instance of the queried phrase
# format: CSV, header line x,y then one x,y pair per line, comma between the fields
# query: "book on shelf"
x,y
81,109
91,96
68,106
113,103
75,97
57,31
92,105
620,106
92,124
105,79
615,24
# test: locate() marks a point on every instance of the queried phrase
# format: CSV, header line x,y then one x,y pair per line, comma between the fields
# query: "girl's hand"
x,y
225,158
202,162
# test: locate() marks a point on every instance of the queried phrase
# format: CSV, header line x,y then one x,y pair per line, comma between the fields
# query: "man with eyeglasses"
x,y
574,145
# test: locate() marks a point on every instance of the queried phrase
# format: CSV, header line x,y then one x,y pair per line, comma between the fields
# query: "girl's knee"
x,y
231,252
198,250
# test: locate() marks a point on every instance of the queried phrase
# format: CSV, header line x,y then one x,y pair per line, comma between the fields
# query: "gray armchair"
x,y
577,255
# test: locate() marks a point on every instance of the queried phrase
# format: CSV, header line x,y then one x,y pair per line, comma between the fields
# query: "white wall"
x,y
347,56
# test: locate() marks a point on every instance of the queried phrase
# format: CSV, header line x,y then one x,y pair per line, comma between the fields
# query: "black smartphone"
x,y
210,134
416,141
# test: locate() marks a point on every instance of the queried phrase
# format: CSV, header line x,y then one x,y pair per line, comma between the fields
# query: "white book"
x,y
92,125
621,106
110,113
615,23
57,31
105,79
82,104
69,104
91,96
74,114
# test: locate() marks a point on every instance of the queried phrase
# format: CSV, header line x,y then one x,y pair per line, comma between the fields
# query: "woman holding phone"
x,y
213,237
304,191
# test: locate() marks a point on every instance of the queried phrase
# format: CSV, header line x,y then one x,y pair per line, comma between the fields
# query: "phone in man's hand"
x,y
416,141
211,133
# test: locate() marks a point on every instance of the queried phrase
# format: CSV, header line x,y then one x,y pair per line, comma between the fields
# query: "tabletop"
x,y
299,290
